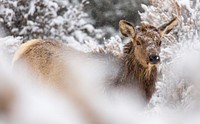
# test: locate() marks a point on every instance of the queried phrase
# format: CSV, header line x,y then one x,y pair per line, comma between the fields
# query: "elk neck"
x,y
133,74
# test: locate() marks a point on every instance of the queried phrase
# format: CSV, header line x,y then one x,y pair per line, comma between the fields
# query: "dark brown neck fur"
x,y
132,73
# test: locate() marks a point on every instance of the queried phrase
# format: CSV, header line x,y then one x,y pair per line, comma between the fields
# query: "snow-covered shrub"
x,y
109,12
178,87
3,30
180,52
48,19
113,45
162,11
8,46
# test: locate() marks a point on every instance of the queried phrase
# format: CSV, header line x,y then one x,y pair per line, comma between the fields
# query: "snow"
x,y
10,44
185,3
34,19
88,27
32,8
3,31
180,74
178,82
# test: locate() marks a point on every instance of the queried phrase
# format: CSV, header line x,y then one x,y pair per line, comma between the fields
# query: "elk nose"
x,y
154,59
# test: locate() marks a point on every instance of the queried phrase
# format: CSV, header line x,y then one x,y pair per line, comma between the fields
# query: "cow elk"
x,y
137,66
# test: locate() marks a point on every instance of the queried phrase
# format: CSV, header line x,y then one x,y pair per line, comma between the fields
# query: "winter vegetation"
x,y
22,100
177,85
48,19
114,11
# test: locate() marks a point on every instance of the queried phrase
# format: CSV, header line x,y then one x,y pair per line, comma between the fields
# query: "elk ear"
x,y
127,29
166,28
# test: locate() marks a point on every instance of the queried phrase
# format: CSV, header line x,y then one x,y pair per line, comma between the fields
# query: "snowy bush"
x,y
179,84
109,12
162,11
113,45
8,46
48,19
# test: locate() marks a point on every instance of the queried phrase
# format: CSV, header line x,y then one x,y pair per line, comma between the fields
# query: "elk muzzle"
x,y
154,59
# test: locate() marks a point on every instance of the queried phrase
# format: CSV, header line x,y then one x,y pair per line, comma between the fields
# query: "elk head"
x,y
146,40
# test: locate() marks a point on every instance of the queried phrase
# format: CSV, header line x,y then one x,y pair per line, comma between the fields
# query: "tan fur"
x,y
23,48
7,97
48,61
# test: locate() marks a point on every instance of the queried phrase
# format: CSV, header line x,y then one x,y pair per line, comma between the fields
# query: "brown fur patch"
x,y
135,74
23,48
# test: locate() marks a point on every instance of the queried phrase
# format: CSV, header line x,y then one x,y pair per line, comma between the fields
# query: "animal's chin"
x,y
149,64
152,64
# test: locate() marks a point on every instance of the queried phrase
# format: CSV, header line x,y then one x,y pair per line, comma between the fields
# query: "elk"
x,y
137,65
141,56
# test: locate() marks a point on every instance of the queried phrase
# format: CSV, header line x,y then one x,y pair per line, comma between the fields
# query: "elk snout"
x,y
154,59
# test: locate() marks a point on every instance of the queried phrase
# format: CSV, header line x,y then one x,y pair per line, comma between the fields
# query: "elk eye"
x,y
138,43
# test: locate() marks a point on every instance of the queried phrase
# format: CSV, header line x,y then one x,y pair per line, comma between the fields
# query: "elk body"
x,y
137,66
